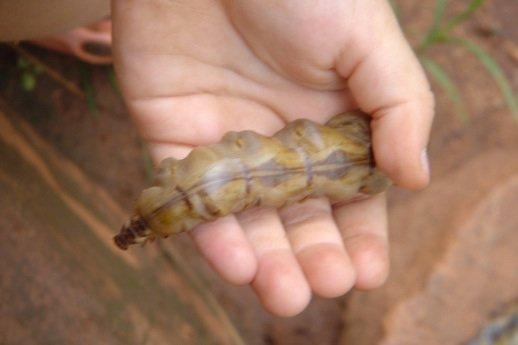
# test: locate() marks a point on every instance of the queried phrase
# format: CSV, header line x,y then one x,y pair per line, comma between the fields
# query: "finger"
x,y
363,225
199,119
318,246
388,82
226,249
279,282
160,151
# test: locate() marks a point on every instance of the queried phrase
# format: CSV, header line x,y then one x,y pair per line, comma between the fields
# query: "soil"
x,y
474,168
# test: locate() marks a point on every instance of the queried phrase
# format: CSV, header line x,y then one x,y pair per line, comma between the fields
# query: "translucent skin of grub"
x,y
246,169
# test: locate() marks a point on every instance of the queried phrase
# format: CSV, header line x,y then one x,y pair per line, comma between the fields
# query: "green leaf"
x,y
494,70
434,32
113,81
28,81
449,87
472,7
88,89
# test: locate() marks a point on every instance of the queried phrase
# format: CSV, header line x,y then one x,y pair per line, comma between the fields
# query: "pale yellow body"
x,y
246,169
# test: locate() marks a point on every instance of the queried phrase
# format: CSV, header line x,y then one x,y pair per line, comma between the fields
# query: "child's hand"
x,y
192,70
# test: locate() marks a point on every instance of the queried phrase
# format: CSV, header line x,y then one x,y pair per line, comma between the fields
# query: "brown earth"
x,y
453,245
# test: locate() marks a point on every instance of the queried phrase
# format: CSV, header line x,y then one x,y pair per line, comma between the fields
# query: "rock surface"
x,y
454,245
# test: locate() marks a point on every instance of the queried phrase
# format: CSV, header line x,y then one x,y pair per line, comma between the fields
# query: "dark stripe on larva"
x,y
329,167
246,174
185,197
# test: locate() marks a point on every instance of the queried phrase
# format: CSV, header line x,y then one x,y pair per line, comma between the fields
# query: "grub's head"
x,y
132,232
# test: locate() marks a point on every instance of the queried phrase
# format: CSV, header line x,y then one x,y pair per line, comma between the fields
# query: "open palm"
x,y
191,70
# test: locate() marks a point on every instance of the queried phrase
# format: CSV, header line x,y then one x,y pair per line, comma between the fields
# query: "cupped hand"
x,y
191,70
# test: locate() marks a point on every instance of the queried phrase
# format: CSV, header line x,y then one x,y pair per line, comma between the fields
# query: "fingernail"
x,y
424,161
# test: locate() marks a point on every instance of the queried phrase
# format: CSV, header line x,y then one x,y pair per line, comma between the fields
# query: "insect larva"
x,y
245,169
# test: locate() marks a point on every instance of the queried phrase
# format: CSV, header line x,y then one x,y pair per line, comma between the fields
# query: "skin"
x,y
191,70
206,67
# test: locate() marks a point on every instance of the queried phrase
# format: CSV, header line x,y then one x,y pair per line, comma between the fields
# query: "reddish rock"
x,y
454,245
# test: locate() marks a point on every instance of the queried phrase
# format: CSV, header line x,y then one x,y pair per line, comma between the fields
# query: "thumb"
x,y
387,81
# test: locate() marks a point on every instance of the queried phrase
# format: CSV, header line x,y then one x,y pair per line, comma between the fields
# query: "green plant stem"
x,y
89,91
449,87
396,9
437,33
434,33
494,70
465,15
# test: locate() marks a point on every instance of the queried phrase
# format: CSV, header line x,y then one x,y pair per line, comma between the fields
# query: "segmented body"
x,y
245,169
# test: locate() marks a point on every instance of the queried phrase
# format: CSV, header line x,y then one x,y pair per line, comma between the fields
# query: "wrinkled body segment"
x,y
245,169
